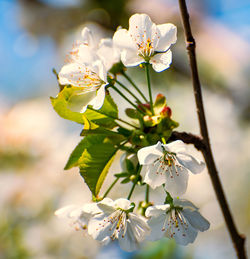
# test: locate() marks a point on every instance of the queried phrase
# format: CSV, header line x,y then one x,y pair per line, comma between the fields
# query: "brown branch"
x,y
237,239
188,138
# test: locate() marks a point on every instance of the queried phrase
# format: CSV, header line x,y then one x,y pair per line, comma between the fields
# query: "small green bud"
x,y
132,177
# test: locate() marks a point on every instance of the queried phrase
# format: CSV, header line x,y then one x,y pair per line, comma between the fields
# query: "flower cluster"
x,y
89,61
91,71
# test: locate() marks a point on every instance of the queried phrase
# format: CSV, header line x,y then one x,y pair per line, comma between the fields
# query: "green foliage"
x,y
85,143
95,163
106,115
132,113
61,105
94,155
69,100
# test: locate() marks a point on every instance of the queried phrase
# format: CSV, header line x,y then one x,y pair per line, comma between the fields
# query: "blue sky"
x,y
26,62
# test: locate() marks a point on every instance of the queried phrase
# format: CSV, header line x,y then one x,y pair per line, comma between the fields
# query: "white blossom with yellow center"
x,y
168,164
87,72
104,49
182,222
146,42
116,221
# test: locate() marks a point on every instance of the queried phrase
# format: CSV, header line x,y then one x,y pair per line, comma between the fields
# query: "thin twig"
x,y
237,239
124,97
112,117
149,87
135,86
135,182
110,187
126,89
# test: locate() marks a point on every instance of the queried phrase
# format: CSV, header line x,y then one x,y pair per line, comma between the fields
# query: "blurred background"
x,y
35,36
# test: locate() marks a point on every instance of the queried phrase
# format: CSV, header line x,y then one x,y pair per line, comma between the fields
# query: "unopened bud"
x,y
166,112
132,177
145,107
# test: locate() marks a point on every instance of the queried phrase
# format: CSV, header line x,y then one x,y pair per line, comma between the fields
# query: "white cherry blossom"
x,y
181,222
169,164
78,215
116,221
146,42
88,73
104,49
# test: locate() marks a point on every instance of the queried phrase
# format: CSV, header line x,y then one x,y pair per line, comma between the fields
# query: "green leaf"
x,y
124,132
106,115
132,113
100,131
123,174
79,149
61,105
95,163
126,180
113,136
129,165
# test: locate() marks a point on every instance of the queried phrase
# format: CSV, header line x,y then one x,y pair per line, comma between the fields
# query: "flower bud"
x,y
145,107
151,121
166,112
132,177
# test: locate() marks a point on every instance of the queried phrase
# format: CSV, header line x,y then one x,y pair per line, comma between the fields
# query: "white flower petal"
x,y
156,224
153,178
108,53
155,211
161,61
90,208
86,55
122,203
177,184
185,204
148,155
98,100
122,40
196,220
176,146
139,226
79,75
129,58
87,37
64,212
185,235
167,36
140,27
194,165
107,205
79,102
128,242
99,227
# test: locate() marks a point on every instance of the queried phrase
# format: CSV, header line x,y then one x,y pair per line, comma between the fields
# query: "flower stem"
x,y
126,89
122,95
238,240
147,194
118,119
149,87
134,85
163,140
135,182
110,187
